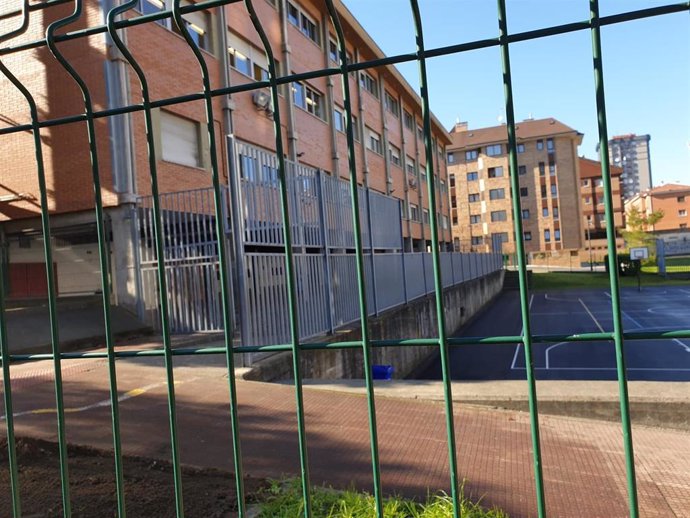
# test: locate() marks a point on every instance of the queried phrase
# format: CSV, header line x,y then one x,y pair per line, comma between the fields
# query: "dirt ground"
x,y
149,486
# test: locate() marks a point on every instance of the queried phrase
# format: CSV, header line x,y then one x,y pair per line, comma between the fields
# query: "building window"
x,y
680,199
599,182
552,169
473,197
408,120
557,234
682,213
303,22
370,84
475,218
495,172
527,236
425,216
497,194
499,215
472,154
453,202
520,148
339,120
333,51
451,180
524,192
588,200
422,172
308,99
450,158
522,170
247,59
543,191
600,200
455,217
554,190
180,140
545,212
525,213
355,128
444,221
549,144
499,237
392,105
547,235
494,150
409,165
540,145
683,225
585,183
555,213
414,212
394,154
197,23
374,141
477,240
542,169
472,176
420,133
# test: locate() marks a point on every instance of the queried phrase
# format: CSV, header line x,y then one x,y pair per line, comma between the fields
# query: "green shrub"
x,y
283,499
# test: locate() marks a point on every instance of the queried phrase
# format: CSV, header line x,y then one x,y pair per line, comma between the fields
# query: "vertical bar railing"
x,y
289,260
359,255
613,258
222,254
436,261
522,267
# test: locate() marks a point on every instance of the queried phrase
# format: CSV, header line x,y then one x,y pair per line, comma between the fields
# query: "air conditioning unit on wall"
x,y
262,100
412,182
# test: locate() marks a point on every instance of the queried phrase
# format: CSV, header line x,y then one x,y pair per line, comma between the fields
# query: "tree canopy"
x,y
637,227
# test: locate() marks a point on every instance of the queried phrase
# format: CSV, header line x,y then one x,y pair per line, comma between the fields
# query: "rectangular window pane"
x,y
180,140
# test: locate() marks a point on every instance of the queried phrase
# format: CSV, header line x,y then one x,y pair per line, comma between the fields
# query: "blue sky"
x,y
646,67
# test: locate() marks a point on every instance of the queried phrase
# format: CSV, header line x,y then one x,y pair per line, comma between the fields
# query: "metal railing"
x,y
442,341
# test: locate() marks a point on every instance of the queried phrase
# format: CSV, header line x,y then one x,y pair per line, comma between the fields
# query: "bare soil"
x,y
149,486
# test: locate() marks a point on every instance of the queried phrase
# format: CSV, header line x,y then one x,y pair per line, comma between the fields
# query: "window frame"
x,y
498,191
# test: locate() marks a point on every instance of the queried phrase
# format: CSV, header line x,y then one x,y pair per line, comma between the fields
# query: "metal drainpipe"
x,y
362,127
330,100
236,249
117,75
406,186
290,112
384,135
420,200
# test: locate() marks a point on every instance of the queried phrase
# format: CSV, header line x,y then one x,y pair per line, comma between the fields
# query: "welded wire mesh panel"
x,y
316,268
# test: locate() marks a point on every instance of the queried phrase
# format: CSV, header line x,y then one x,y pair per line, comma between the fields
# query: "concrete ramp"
x,y
80,324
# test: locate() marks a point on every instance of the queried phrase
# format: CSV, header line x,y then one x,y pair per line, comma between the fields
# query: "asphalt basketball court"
x,y
574,312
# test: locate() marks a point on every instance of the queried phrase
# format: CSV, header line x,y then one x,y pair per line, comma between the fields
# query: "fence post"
x,y
239,272
402,251
661,256
328,287
371,252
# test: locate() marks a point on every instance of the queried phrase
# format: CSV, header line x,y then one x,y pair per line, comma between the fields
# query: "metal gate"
x,y
191,260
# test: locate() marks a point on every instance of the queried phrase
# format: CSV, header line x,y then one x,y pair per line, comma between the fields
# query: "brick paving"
x,y
583,459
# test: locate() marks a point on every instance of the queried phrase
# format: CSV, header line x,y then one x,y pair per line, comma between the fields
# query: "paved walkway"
x,y
583,459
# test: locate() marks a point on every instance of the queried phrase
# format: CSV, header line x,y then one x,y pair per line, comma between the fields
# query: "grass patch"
x,y
568,280
283,499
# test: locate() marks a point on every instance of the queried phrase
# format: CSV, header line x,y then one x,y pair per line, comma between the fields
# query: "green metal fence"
x,y
442,341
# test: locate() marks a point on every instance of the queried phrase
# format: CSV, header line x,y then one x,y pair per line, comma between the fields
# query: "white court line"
x,y
686,347
555,299
593,318
517,347
547,352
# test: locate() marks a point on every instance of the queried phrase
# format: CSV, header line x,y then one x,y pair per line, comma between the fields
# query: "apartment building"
x,y
548,169
673,199
390,155
631,152
592,203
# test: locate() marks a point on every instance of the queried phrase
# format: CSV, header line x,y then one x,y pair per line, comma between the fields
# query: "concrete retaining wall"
x,y
416,320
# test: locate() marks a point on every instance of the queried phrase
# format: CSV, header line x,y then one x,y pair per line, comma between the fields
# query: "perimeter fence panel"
x,y
301,235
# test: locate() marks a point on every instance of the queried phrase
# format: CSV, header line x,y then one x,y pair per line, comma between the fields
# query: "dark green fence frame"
x,y
366,344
